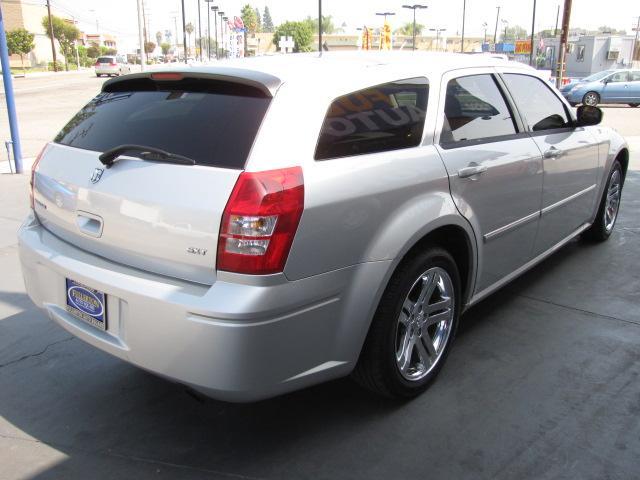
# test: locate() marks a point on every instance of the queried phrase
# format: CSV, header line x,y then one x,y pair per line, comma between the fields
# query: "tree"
x,y
300,31
407,29
149,47
258,21
611,30
189,28
327,24
66,33
165,48
514,33
93,51
267,22
248,15
20,42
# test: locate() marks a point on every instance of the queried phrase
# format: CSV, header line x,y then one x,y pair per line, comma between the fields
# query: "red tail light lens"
x,y
34,169
260,221
113,64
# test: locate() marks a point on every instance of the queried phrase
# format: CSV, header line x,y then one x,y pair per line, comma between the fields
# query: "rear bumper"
x,y
232,341
107,70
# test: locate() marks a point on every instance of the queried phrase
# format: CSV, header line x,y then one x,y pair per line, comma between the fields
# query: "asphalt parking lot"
x,y
543,381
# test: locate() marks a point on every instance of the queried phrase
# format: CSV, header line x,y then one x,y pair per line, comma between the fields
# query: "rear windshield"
x,y
106,60
212,122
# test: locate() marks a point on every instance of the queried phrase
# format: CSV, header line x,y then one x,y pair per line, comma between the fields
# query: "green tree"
x,y
611,30
149,47
327,24
407,29
165,48
20,42
258,21
189,28
93,51
248,15
301,32
66,33
514,33
267,22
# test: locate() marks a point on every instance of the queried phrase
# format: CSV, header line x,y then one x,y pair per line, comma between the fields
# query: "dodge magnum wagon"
x,y
255,227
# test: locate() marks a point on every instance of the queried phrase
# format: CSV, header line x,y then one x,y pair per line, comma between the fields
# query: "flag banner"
x,y
385,37
523,46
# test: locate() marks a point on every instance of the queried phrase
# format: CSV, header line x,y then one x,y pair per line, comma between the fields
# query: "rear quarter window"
x,y
377,119
212,122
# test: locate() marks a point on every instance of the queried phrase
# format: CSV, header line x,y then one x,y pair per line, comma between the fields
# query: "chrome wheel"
x,y
591,99
612,202
424,324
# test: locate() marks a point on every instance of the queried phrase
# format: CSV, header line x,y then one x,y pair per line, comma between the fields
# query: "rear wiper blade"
x,y
144,152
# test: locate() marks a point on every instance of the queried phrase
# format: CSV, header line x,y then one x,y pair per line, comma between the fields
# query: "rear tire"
x,y
609,205
591,98
414,326
634,105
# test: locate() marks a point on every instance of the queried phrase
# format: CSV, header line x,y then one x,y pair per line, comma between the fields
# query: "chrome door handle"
x,y
471,170
553,152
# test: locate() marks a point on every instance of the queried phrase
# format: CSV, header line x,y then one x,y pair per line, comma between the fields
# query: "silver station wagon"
x,y
252,228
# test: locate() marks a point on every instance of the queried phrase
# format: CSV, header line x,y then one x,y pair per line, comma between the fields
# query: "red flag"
x,y
237,21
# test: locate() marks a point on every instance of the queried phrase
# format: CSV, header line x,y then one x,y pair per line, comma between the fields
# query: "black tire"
x,y
591,98
377,368
634,105
98,75
598,232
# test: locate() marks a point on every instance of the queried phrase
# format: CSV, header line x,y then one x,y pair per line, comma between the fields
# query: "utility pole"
x,y
414,8
484,25
175,27
145,28
9,97
143,56
320,27
199,30
564,35
464,8
184,34
533,26
635,41
218,50
208,29
53,41
495,32
214,9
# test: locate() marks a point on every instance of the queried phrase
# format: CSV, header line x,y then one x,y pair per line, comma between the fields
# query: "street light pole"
x,y
437,30
208,29
199,30
464,8
53,44
143,59
635,42
215,27
533,27
495,32
220,14
320,28
184,34
414,8
484,25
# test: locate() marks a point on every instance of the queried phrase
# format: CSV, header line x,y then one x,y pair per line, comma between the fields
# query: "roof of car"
x,y
269,72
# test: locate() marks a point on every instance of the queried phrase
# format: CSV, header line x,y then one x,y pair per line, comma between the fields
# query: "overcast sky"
x,y
119,16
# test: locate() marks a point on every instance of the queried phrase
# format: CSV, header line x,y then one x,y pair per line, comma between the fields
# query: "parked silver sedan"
x,y
111,65
256,227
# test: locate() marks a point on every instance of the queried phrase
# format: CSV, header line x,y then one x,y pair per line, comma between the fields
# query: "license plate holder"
x,y
87,304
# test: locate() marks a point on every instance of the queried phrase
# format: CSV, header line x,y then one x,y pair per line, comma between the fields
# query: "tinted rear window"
x,y
212,122
106,60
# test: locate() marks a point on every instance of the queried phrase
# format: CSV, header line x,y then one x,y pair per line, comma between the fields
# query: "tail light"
x,y
97,64
260,221
113,64
32,182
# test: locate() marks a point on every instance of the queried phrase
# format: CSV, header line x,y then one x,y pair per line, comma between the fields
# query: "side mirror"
x,y
606,80
588,115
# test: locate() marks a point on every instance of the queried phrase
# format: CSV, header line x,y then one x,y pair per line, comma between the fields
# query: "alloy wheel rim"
x,y
612,202
424,324
590,99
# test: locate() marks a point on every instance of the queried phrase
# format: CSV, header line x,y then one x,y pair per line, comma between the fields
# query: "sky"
x,y
119,17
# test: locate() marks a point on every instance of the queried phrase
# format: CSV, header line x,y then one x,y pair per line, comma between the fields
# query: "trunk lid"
x,y
159,217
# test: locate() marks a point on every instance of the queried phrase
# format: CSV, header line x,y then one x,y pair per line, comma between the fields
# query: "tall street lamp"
x,y
184,34
226,20
414,8
464,11
437,30
385,14
214,9
495,32
533,27
220,14
506,24
484,25
199,30
208,30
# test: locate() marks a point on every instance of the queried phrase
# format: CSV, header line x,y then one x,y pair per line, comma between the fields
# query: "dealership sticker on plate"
x,y
87,304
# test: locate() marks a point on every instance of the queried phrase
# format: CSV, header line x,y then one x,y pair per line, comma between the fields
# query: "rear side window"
x,y
212,122
377,119
542,109
475,110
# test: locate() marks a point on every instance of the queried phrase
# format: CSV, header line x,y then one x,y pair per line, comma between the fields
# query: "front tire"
x,y
634,105
609,205
413,328
591,98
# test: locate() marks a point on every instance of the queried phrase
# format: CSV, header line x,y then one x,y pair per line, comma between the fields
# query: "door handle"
x,y
471,170
553,152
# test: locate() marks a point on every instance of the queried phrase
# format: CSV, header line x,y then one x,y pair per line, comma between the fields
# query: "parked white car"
x,y
111,65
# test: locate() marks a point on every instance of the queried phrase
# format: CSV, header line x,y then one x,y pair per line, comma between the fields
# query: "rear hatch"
x,y
156,216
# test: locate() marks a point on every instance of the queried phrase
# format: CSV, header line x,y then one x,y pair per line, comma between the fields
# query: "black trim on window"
x,y
480,141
